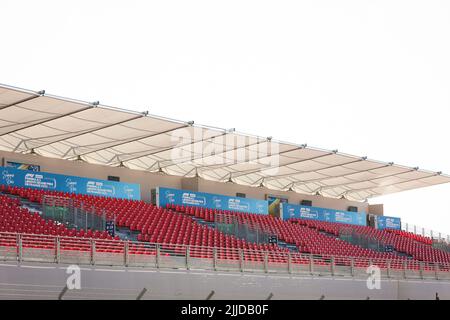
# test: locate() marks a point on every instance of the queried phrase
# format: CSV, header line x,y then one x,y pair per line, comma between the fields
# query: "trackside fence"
x,y
83,251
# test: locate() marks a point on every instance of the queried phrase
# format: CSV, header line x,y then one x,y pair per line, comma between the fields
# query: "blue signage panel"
x,y
384,222
110,227
23,166
210,200
322,214
73,184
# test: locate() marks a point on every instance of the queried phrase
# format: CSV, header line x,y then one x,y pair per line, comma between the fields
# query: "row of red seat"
x,y
165,225
402,241
157,225
307,240
15,219
308,235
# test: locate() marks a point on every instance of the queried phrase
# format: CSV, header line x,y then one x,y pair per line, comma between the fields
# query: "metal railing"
x,y
232,225
437,236
84,251
73,213
361,239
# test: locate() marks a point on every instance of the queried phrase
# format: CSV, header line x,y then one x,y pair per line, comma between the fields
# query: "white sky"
x,y
364,77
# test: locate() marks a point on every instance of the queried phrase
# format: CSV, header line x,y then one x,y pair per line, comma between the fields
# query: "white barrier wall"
x,y
47,281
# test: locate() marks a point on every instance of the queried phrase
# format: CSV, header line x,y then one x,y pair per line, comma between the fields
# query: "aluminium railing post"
x,y
266,262
421,270
19,247
241,260
332,265
158,255
187,254
436,271
215,258
311,264
289,262
352,266
58,250
404,269
126,251
92,252
388,270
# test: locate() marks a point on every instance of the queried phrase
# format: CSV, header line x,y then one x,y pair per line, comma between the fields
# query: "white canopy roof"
x,y
51,126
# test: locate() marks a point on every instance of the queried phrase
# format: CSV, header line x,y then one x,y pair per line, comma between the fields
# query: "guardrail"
x,y
83,251
426,232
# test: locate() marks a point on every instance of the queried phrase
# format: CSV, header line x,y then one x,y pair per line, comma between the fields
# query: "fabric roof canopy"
x,y
51,126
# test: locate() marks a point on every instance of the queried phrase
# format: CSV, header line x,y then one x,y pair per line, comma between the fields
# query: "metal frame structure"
x,y
52,126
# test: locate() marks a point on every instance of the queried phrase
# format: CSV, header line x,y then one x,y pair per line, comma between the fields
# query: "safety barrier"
x,y
84,251
435,235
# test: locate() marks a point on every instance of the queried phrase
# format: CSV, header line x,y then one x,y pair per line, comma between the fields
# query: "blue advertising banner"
x,y
23,166
210,200
383,222
322,214
63,183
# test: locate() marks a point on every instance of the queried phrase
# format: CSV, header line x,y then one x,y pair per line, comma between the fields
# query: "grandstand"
x,y
93,185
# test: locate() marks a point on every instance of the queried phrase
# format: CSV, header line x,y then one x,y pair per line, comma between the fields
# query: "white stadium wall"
x,y
230,189
149,180
40,282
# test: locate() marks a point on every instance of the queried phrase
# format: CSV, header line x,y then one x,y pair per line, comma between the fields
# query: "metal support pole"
x,y
126,256
58,250
404,269
266,262
92,252
289,263
311,264
19,248
352,267
241,260
436,271
215,259
421,270
388,271
158,255
187,253
332,266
